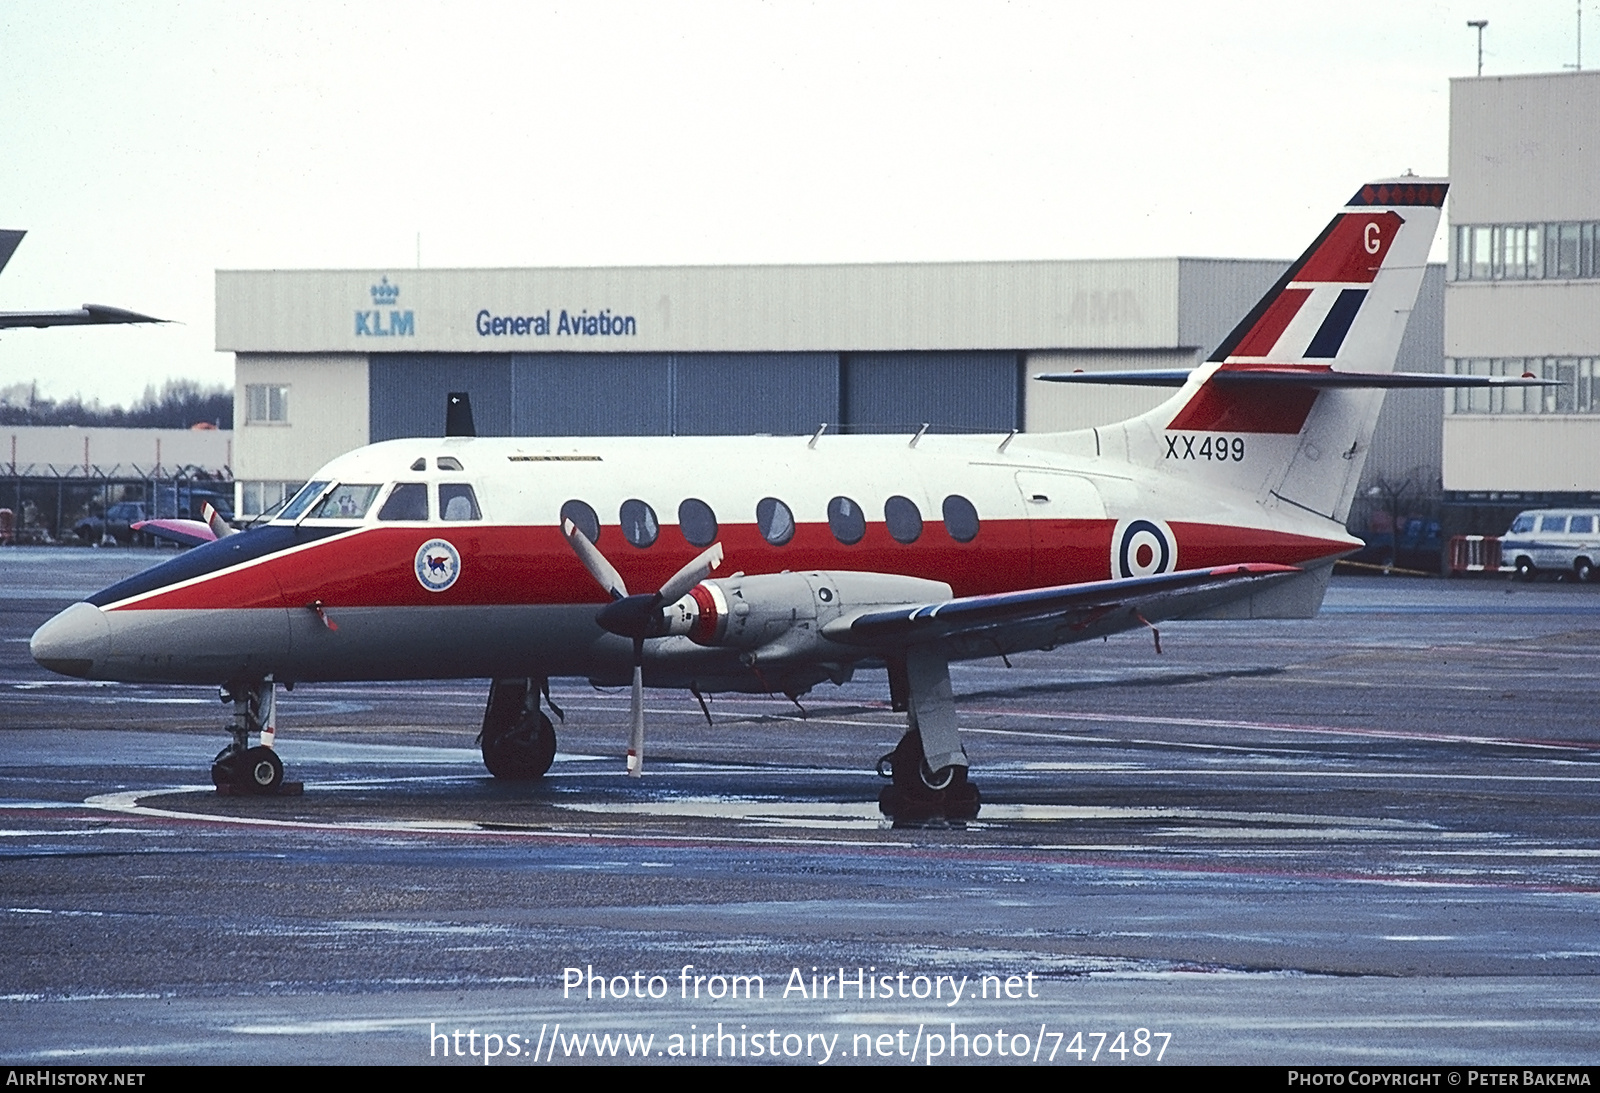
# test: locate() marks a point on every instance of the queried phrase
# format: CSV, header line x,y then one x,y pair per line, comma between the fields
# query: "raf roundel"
x,y
1143,548
438,565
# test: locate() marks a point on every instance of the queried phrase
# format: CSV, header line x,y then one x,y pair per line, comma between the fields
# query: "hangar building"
x,y
1524,292
329,360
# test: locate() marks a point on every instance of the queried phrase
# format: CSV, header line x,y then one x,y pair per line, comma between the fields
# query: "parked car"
x,y
1558,541
173,502
116,523
1420,546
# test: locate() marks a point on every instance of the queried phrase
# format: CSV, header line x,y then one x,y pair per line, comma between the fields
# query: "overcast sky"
x,y
146,145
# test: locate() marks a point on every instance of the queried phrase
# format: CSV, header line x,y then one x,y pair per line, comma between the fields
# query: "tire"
x,y
524,752
225,767
260,771
1583,569
1525,569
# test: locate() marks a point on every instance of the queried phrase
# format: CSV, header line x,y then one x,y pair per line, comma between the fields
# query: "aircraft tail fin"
x,y
1286,405
458,415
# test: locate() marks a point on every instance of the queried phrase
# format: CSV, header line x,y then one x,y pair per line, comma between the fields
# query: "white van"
x,y
1555,541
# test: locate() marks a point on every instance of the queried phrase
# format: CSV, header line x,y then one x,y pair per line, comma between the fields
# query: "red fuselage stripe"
x,y
503,565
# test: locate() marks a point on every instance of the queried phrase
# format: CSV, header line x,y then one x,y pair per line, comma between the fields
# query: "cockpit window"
x,y
346,501
302,500
458,502
447,463
407,501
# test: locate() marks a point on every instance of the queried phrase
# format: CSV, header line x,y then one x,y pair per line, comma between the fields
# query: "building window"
x,y
1576,390
1566,251
256,498
266,404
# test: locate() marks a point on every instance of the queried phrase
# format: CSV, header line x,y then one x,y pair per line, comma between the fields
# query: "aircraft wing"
x,y
87,315
1042,618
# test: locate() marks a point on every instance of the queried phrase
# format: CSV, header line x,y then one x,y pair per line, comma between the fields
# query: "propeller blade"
x,y
636,729
691,574
219,527
602,571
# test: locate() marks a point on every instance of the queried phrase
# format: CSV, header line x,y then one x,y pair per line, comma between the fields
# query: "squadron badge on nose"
x,y
438,565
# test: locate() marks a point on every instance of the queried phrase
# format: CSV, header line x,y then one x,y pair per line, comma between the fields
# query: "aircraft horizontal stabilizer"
x,y
1294,376
87,315
1045,617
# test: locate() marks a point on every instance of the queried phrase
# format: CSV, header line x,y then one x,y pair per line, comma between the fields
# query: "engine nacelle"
x,y
783,614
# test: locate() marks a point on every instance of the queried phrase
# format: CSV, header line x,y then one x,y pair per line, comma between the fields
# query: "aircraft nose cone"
x,y
73,641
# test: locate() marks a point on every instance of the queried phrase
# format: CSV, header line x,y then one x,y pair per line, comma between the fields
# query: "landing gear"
x,y
518,740
928,768
916,794
240,768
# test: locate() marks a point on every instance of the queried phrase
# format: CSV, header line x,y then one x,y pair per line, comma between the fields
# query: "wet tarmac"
x,y
1371,837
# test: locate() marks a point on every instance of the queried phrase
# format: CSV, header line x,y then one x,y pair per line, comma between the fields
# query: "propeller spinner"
x,y
637,617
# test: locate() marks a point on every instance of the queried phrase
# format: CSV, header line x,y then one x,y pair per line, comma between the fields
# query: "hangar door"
x,y
964,392
605,394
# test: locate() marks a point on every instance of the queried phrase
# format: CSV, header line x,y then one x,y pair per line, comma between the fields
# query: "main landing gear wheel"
x,y
518,741
523,752
917,794
256,770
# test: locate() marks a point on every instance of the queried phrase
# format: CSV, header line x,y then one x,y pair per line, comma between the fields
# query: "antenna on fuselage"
x,y
458,415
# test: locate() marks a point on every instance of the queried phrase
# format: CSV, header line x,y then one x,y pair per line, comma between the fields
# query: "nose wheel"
x,y
251,771
517,739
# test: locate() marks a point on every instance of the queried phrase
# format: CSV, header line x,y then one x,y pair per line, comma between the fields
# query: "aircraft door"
x,y
1067,527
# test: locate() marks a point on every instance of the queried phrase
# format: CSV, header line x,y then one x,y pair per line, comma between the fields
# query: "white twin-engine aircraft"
x,y
519,559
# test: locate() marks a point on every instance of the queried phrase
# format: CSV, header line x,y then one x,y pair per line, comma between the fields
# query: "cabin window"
x,y
775,521
346,501
303,500
846,520
583,518
1553,523
448,463
407,501
960,518
697,522
457,502
639,525
903,518
1581,525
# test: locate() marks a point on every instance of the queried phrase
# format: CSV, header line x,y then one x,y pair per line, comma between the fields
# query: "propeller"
x,y
215,521
638,616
